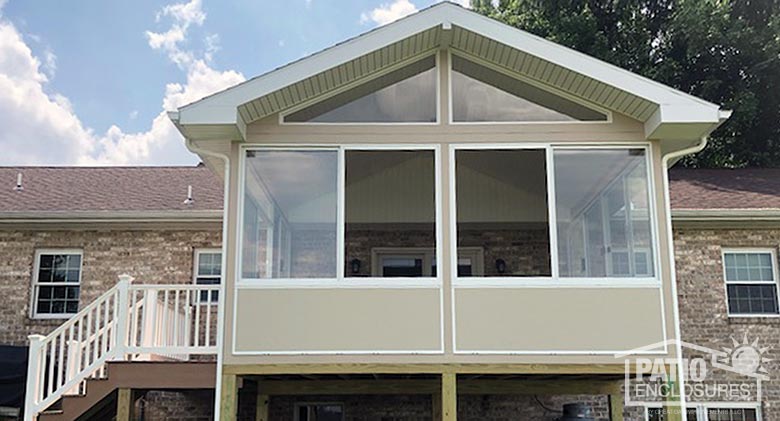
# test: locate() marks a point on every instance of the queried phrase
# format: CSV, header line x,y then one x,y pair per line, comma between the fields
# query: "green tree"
x,y
727,52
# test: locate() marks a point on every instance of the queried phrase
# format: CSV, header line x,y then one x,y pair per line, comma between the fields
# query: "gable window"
x,y
481,94
56,283
751,282
319,412
208,271
603,213
405,95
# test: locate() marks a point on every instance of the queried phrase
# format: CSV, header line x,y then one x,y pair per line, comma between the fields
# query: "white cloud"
x,y
133,114
41,127
388,12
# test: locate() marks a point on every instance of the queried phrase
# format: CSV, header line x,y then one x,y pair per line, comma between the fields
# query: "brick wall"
x,y
703,310
151,256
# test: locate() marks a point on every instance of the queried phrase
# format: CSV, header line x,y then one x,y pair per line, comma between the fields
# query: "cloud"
x,y
388,12
41,127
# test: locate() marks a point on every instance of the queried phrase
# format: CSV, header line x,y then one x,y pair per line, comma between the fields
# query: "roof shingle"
x,y
746,188
95,189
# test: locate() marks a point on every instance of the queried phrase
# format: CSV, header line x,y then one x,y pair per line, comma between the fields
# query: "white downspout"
x,y
222,286
670,235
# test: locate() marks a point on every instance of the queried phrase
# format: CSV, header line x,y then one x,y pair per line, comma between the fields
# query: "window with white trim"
x,y
208,271
751,282
56,283
319,412
707,412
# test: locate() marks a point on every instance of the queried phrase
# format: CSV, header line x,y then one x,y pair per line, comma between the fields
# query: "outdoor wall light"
x,y
354,265
500,266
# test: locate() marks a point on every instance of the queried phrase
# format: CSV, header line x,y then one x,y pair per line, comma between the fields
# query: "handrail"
x,y
134,322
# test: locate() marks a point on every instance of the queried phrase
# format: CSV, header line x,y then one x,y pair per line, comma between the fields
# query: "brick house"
x,y
443,218
712,210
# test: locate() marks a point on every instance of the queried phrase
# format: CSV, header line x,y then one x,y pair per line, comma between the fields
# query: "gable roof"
x,y
664,110
92,192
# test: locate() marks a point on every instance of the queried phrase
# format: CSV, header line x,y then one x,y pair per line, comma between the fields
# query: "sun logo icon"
x,y
747,358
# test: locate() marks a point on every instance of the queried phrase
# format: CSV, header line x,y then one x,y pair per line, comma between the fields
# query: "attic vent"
x,y
189,200
19,186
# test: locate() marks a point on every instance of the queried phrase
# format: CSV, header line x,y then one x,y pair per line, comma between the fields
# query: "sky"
x,y
88,82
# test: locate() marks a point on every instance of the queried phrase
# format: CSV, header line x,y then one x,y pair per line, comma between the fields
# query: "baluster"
x,y
208,319
197,319
50,367
176,318
166,330
88,341
96,339
61,363
134,319
187,319
80,365
106,327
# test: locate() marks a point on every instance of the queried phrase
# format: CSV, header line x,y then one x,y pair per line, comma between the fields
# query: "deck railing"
x,y
128,322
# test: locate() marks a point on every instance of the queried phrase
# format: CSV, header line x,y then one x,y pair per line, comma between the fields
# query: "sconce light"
x,y
354,265
500,266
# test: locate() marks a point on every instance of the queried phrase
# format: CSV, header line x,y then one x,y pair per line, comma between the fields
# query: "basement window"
x,y
56,283
751,282
319,412
405,95
481,94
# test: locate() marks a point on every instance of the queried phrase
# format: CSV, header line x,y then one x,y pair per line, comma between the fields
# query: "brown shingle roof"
x,y
748,188
139,189
95,189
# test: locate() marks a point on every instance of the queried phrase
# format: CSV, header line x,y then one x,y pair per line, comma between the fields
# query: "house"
x,y
712,210
442,217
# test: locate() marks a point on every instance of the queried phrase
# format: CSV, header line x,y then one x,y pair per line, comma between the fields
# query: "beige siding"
x,y
331,320
557,319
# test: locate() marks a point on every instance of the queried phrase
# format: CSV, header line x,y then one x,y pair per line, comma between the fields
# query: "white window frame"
x,y
35,284
298,405
523,79
347,87
703,408
195,275
726,283
555,279
341,280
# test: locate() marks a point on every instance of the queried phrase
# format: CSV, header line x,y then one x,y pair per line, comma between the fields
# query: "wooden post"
x,y
124,405
449,397
674,411
262,407
228,401
615,406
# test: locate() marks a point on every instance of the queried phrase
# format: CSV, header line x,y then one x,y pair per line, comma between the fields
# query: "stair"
x,y
158,375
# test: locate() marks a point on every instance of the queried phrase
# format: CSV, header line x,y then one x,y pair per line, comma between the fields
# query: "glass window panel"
x,y
502,209
289,226
752,299
407,95
390,202
483,94
606,190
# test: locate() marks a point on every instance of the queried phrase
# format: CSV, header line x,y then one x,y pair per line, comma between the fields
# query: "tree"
x,y
727,52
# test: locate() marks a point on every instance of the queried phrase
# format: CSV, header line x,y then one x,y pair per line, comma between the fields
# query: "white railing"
x,y
128,322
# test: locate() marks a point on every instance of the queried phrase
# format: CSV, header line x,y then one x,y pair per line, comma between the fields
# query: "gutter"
x,y
725,215
673,157
174,116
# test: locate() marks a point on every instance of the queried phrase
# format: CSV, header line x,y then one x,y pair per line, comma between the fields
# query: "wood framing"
x,y
124,405
262,406
357,368
449,397
616,406
228,401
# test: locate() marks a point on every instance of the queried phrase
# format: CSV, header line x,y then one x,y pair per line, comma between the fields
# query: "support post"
x,y
262,406
34,377
123,311
124,405
228,400
674,411
449,397
615,406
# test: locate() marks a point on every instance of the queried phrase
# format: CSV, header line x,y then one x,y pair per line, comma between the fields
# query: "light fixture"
x,y
354,265
500,266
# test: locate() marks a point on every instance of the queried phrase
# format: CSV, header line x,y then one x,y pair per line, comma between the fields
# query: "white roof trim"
x,y
674,106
